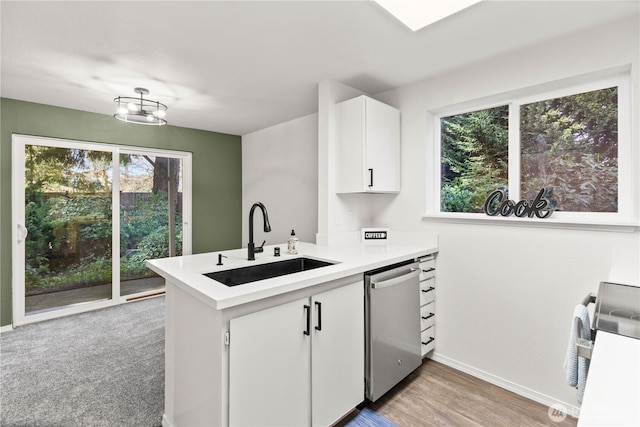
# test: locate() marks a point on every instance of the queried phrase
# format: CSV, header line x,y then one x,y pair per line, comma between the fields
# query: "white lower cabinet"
x,y
299,363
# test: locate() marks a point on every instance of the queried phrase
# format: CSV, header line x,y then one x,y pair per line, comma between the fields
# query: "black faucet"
x,y
267,228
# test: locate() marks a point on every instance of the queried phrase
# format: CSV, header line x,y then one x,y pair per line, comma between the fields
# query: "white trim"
x,y
115,225
17,220
506,384
555,221
54,313
627,215
6,328
165,421
513,162
18,214
187,185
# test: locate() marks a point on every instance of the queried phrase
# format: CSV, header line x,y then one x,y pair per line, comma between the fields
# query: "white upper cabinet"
x,y
368,147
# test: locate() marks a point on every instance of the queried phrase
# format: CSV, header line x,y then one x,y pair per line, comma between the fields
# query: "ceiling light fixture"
x,y
140,110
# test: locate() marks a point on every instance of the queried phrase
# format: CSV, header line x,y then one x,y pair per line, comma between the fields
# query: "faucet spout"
x,y
251,247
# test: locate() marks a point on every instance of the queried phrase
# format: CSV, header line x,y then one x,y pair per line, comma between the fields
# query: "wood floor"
x,y
437,395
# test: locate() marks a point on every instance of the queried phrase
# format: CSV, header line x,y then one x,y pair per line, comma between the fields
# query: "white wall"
x,y
280,169
506,293
337,213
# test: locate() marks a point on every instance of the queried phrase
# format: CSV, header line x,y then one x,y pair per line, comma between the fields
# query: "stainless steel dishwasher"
x,y
392,326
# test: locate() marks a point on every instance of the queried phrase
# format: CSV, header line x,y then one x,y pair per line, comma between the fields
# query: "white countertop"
x,y
612,394
188,271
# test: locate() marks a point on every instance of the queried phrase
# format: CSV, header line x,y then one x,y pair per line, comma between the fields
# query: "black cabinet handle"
x,y
428,342
370,177
429,316
319,305
307,310
428,290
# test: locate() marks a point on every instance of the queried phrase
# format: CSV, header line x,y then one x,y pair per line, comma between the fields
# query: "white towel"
x,y
575,367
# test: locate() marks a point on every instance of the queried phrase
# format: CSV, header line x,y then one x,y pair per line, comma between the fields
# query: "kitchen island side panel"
x,y
195,383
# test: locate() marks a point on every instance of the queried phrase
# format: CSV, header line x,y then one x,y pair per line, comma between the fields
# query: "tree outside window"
x,y
567,145
474,155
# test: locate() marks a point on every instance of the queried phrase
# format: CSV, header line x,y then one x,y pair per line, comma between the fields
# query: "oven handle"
x,y
415,272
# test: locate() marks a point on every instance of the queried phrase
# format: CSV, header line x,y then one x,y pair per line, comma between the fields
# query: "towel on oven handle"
x,y
576,367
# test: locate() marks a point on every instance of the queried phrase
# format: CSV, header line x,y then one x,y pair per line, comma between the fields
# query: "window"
x,y
569,145
573,143
475,152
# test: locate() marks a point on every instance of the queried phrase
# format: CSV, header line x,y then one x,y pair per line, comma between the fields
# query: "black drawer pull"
x,y
428,270
428,342
428,290
429,316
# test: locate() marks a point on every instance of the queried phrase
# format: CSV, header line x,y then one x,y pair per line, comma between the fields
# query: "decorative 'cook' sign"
x,y
498,204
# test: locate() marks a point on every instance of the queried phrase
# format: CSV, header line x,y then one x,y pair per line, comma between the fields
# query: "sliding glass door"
x,y
86,217
151,201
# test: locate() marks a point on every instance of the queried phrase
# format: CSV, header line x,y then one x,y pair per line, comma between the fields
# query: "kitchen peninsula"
x,y
287,350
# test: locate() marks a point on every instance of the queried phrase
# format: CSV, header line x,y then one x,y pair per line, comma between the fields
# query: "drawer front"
x,y
427,316
428,259
428,339
427,269
427,291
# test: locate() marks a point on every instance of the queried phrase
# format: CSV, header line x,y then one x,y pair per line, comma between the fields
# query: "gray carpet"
x,y
103,368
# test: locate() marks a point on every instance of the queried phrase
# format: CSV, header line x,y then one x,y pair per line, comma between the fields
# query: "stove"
x,y
618,309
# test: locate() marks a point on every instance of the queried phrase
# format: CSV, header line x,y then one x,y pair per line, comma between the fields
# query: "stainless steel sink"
x,y
253,273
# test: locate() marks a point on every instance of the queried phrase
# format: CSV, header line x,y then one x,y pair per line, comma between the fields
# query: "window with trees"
x,y
574,143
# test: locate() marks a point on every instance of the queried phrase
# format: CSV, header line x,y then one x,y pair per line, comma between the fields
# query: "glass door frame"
x,y
19,142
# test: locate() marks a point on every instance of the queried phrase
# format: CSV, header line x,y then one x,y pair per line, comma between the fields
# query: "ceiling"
x,y
240,66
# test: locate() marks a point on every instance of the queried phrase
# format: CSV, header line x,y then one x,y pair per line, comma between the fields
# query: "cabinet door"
x,y
337,362
382,147
269,365
368,147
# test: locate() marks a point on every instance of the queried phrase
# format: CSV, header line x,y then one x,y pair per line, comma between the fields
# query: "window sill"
x,y
554,223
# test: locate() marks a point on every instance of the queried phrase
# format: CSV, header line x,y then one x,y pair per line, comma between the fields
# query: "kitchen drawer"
x,y
427,311
427,269
428,339
427,258
427,291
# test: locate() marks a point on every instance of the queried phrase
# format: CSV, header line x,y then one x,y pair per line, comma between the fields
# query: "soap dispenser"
x,y
292,243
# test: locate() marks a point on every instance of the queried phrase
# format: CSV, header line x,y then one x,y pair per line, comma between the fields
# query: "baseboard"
x,y
6,328
507,385
165,421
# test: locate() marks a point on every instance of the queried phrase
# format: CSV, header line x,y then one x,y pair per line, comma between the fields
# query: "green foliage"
x,y
455,198
474,157
145,234
90,272
73,236
40,236
69,218
54,169
570,145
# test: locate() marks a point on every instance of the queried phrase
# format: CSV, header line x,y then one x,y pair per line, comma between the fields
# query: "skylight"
x,y
417,14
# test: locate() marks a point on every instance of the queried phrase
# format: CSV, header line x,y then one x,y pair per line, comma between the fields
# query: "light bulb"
x,y
122,110
132,107
159,113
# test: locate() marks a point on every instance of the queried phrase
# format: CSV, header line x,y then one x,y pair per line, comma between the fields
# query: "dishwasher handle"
x,y
415,272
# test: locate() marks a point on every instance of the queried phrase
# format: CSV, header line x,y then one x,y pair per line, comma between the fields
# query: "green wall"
x,y
216,162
